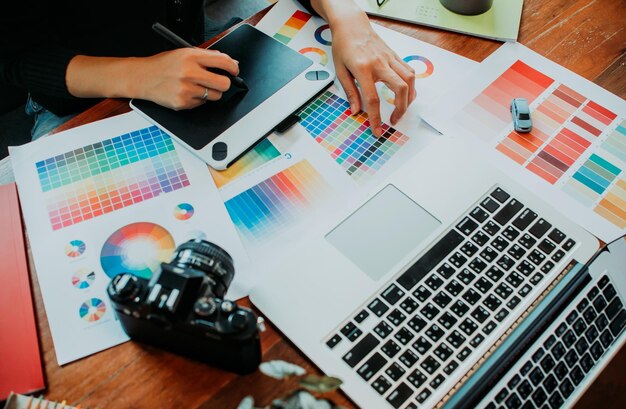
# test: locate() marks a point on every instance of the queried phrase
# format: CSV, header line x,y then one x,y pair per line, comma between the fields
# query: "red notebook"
x,y
20,360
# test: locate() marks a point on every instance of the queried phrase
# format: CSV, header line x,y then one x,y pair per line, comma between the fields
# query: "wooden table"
x,y
586,36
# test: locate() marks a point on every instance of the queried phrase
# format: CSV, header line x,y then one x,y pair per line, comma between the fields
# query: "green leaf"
x,y
281,369
320,384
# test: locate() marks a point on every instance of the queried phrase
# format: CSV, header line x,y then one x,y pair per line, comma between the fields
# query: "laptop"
x,y
563,346
404,295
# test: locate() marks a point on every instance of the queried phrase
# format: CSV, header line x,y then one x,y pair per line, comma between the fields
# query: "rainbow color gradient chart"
x,y
183,211
92,310
348,139
75,248
317,54
138,249
272,204
262,153
292,26
107,176
320,34
83,278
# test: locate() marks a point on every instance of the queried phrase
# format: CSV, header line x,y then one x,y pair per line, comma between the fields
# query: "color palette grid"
x,y
278,201
106,176
613,206
262,153
292,26
348,139
615,143
489,112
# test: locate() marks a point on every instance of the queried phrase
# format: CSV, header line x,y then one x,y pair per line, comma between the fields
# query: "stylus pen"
x,y
179,42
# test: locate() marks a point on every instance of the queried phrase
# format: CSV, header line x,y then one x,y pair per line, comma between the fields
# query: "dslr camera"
x,y
182,309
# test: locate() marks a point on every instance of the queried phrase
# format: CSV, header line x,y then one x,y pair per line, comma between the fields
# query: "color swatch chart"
x,y
106,176
272,204
292,26
262,153
348,139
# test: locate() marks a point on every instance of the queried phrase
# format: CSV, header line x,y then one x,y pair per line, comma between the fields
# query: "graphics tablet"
x,y
280,81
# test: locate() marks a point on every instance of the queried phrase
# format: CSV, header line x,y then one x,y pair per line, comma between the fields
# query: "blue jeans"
x,y
45,121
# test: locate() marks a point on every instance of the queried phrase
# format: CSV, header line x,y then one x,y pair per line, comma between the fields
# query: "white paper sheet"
x,y
576,155
112,196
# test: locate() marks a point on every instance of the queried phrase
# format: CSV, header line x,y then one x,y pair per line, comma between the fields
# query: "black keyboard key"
x,y
390,348
443,352
525,290
455,339
546,246
360,350
571,317
471,296
423,395
416,323
558,256
527,241
466,276
430,364
454,288
568,245
536,278
431,259
540,228
437,381
399,395
480,314
536,376
526,368
495,274
525,268
590,315
604,280
392,294
550,383
501,395
596,350
488,329
606,338
547,363
586,362
434,282
422,345
538,355
430,311
516,251
396,317
408,305
490,205
360,317
515,380
336,339
599,303
483,285
442,299
581,346
459,308
372,366
479,214
452,365
403,336
378,307
515,279
464,353
501,315
508,212
480,238
539,397
383,329
446,270
614,308
556,236
510,233
560,330
555,400
394,372
524,389
435,332
547,266
491,228
408,358
571,358
536,257
500,195
560,371
416,378
504,291
500,243
617,325
492,302
477,340
467,226
558,351
512,303
577,375
349,329
477,265
524,219
579,326
468,326
422,293
513,402
505,262
469,249
447,320
381,385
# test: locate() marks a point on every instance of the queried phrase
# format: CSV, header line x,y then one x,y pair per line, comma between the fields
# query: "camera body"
x,y
182,309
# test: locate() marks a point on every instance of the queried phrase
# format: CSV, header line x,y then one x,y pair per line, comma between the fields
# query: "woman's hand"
x,y
362,57
178,79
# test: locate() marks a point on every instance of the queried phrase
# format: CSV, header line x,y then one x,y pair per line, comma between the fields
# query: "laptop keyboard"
x,y
559,362
408,339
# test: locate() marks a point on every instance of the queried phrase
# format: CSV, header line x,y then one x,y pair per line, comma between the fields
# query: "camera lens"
x,y
209,258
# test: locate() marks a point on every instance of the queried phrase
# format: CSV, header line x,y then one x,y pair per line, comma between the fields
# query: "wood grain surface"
x,y
587,37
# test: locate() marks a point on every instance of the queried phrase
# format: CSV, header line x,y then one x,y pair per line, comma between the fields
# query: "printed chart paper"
x,y
575,155
110,197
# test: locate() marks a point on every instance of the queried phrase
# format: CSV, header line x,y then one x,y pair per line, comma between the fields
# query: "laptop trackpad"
x,y
382,231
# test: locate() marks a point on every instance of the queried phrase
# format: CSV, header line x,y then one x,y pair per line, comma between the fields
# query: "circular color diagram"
x,y
83,278
318,35
183,211
323,57
92,310
75,248
388,94
138,249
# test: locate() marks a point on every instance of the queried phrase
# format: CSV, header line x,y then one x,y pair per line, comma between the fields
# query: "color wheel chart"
x,y
83,278
424,68
138,249
183,211
272,204
92,310
103,177
348,139
575,144
262,153
75,248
